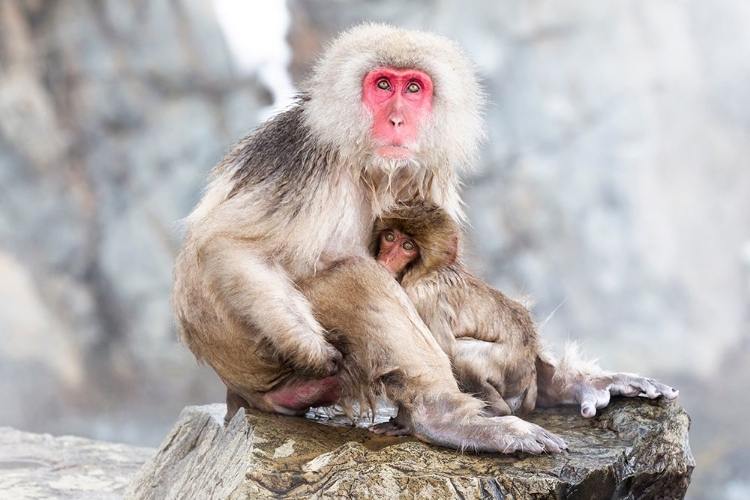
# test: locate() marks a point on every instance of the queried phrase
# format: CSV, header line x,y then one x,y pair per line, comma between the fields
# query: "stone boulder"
x,y
633,449
68,467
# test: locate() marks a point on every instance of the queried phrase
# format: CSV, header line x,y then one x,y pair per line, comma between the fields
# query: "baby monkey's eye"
x,y
384,85
408,246
389,237
413,87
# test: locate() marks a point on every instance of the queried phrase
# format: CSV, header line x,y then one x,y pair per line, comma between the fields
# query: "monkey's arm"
x,y
573,381
251,289
389,351
483,313
455,304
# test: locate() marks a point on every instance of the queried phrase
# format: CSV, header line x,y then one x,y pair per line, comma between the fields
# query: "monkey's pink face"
x,y
400,101
396,251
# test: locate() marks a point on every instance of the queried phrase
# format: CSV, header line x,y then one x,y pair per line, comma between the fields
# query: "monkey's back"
x,y
491,339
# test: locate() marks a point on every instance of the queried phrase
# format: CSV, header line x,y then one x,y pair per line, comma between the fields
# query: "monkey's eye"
x,y
413,87
383,84
408,246
389,237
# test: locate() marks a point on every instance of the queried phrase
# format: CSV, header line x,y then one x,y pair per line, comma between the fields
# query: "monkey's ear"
x,y
453,250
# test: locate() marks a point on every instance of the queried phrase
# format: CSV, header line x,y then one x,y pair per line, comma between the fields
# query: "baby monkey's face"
x,y
397,250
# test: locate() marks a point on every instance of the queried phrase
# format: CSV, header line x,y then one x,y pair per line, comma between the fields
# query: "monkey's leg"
x,y
585,384
496,405
234,403
260,294
479,371
388,349
529,398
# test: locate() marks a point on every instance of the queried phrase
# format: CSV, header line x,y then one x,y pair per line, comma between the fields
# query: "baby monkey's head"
x,y
415,239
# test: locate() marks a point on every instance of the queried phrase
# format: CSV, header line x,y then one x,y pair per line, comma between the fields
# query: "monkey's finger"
x,y
520,435
399,432
553,443
527,447
651,388
337,358
664,390
588,408
389,429
546,442
629,391
379,428
590,399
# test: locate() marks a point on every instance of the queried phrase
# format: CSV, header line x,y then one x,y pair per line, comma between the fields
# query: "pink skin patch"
x,y
297,397
399,101
396,251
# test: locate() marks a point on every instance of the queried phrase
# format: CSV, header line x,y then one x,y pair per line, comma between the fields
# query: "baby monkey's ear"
x,y
453,250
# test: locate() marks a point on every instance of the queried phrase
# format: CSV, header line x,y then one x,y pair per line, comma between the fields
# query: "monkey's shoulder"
x,y
282,152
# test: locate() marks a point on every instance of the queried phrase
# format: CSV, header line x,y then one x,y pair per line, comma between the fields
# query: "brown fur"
x,y
491,340
273,287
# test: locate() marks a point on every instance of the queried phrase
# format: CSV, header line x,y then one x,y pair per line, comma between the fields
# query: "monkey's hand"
x,y
514,434
315,357
595,392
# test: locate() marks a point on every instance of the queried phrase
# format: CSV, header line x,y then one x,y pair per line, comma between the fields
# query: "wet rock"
x,y
634,449
43,466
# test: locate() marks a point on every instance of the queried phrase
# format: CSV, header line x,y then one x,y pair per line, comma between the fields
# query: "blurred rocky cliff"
x,y
616,178
111,115
614,190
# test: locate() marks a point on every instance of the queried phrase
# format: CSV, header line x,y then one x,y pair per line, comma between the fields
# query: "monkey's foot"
x,y
514,434
234,403
390,428
496,408
490,434
595,393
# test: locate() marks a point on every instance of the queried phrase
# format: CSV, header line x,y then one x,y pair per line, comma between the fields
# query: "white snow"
x,y
256,35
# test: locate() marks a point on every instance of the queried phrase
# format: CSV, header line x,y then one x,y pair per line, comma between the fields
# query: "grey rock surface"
x,y
41,466
633,449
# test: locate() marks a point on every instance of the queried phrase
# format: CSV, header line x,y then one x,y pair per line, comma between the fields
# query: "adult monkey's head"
x,y
396,97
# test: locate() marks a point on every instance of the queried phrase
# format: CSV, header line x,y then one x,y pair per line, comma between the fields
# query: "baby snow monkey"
x,y
490,339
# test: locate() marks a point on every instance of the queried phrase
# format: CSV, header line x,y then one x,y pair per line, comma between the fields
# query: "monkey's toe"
x,y
520,435
553,443
390,428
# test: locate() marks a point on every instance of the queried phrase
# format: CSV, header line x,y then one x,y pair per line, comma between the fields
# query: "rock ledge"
x,y
634,448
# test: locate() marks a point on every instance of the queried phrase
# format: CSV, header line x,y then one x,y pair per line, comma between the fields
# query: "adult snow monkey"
x,y
274,287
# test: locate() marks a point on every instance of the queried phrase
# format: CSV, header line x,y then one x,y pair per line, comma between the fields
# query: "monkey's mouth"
x,y
395,152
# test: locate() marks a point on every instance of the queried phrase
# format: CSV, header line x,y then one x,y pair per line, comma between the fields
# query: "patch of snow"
x,y
256,35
